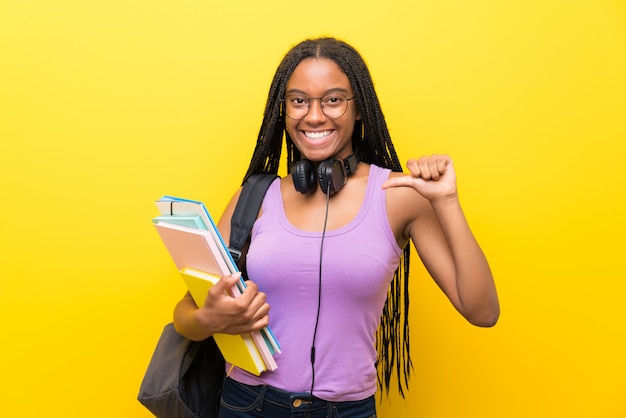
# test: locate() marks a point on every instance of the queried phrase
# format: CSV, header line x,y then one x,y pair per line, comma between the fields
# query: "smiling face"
x,y
317,136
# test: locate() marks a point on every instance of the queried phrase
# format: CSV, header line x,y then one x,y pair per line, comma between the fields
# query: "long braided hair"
x,y
372,142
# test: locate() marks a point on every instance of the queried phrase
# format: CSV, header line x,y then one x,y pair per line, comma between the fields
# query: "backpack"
x,y
184,378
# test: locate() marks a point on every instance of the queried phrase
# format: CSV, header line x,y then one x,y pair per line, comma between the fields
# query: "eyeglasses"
x,y
333,105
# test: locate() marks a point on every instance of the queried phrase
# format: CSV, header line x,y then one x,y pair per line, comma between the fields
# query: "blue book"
x,y
192,221
177,207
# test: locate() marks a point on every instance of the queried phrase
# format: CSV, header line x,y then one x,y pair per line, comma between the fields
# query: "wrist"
x,y
445,202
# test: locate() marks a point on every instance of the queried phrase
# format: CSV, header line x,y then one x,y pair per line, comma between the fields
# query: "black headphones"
x,y
332,174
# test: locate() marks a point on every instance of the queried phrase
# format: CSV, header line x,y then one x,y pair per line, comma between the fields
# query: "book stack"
x,y
202,257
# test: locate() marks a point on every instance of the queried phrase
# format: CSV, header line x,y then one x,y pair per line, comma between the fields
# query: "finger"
x,y
261,314
443,162
258,306
414,168
402,181
253,314
260,323
248,295
248,326
425,168
433,167
225,284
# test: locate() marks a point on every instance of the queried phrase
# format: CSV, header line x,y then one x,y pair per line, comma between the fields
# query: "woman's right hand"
x,y
222,313
228,315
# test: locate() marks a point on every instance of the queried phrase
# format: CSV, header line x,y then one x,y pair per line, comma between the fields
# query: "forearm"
x,y
476,294
186,321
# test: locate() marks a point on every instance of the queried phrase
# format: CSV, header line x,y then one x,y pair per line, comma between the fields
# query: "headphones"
x,y
332,174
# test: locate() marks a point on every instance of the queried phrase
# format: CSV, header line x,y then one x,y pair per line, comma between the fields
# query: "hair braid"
x,y
372,142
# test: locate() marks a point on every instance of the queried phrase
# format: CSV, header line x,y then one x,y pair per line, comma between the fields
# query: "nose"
x,y
315,112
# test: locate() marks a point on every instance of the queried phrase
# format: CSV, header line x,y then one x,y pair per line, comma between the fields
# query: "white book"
x,y
170,205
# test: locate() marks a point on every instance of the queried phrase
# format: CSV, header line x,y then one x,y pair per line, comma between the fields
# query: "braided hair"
x,y
372,143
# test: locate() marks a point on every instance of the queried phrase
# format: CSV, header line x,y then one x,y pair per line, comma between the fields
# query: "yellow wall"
x,y
106,105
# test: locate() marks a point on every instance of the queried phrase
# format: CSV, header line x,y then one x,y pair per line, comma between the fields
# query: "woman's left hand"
x,y
432,176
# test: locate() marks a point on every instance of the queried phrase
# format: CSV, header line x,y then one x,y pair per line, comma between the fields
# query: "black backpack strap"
x,y
246,212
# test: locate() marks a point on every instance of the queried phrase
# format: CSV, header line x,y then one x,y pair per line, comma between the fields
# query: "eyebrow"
x,y
329,91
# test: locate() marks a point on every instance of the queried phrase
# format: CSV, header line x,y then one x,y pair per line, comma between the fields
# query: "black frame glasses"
x,y
333,105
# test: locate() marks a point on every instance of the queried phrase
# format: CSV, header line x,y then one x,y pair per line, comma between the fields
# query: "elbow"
x,y
482,312
484,315
487,319
487,322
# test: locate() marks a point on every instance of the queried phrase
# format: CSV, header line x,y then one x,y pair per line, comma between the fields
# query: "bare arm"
x,y
442,236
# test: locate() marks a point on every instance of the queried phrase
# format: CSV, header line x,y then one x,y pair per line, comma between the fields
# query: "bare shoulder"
x,y
405,206
224,222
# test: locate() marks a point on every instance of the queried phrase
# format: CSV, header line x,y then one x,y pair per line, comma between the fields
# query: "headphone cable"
x,y
319,293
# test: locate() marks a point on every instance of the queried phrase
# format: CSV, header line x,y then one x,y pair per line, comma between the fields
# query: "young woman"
x,y
329,242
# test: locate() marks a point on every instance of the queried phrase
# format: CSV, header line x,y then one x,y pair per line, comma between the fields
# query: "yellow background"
x,y
107,105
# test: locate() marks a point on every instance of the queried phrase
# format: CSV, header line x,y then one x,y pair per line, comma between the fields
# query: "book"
x,y
193,221
175,206
199,283
239,350
195,254
170,205
192,248
197,248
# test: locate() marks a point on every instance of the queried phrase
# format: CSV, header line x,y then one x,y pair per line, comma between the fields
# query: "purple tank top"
x,y
358,263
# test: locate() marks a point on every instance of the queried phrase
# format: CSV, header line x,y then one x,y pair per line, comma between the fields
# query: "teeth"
x,y
317,135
